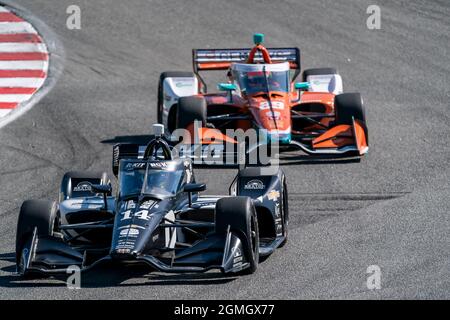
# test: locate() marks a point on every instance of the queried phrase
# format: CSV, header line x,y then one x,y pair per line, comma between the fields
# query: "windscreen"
x,y
141,178
259,81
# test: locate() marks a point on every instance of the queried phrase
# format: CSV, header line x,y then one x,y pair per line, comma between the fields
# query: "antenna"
x,y
158,130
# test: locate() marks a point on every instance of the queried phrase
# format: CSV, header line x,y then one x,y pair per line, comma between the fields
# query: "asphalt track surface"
x,y
390,210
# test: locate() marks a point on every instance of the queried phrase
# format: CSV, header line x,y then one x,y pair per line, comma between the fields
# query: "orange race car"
x,y
313,116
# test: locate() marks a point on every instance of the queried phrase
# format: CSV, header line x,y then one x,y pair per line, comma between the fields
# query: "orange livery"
x,y
314,116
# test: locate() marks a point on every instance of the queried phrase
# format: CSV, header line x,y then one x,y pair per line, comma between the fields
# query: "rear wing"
x,y
221,59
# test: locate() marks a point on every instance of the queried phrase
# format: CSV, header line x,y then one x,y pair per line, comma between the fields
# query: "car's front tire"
x,y
40,214
240,215
349,106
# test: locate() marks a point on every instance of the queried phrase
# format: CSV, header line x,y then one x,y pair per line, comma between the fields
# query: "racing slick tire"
x,y
239,213
164,75
349,106
40,214
318,71
72,177
191,109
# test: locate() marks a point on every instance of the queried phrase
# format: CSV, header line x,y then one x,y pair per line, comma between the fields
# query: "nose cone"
x,y
135,227
274,117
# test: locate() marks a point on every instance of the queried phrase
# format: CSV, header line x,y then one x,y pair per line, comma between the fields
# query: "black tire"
x,y
285,212
348,106
164,75
318,71
189,110
34,213
239,213
77,176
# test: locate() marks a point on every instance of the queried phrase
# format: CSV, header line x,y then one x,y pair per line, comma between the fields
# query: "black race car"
x,y
157,218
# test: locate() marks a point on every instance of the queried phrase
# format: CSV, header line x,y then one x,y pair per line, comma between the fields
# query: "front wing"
x,y
211,147
50,255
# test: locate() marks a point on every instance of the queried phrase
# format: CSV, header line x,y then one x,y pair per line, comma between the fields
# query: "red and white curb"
x,y
24,61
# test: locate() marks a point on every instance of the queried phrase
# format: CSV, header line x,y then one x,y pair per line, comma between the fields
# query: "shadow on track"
x,y
138,139
110,276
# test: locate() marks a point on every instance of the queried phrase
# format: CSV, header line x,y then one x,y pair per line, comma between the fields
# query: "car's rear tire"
x,y
40,214
240,215
318,71
164,75
191,109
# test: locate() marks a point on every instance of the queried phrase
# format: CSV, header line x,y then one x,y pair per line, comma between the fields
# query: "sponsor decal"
x,y
141,214
254,185
275,105
158,164
147,204
238,55
279,229
132,226
274,115
277,210
135,165
273,195
124,246
237,259
83,187
122,250
188,170
131,232
131,204
184,84
116,152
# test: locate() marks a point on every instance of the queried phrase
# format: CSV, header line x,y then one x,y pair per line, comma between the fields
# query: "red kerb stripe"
x,y
20,37
17,90
22,74
8,105
22,56
9,17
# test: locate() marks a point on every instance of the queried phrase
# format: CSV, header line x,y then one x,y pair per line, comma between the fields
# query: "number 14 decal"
x,y
141,214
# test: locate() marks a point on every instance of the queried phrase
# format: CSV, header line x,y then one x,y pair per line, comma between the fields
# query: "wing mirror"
x,y
101,188
104,189
229,87
193,187
226,86
302,85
